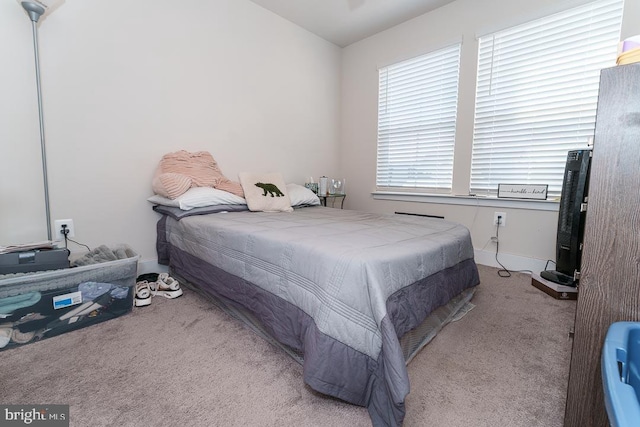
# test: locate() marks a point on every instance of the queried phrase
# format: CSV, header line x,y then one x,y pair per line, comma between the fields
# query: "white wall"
x,y
528,239
125,82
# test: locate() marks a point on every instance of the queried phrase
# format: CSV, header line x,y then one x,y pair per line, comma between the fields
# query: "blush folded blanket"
x,y
181,170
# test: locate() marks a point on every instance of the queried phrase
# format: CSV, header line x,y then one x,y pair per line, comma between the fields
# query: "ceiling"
x,y
343,22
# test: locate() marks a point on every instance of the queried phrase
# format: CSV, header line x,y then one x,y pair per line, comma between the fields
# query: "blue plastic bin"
x,y
621,374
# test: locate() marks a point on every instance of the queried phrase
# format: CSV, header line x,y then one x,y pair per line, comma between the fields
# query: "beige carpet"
x,y
184,363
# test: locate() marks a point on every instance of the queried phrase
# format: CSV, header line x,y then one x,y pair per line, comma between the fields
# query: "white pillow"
x,y
265,192
301,195
198,197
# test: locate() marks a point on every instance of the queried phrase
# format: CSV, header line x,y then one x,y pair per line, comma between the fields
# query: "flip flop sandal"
x,y
166,286
29,318
143,294
22,337
149,277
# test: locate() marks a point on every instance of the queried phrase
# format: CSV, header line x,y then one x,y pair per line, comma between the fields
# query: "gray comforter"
x,y
341,286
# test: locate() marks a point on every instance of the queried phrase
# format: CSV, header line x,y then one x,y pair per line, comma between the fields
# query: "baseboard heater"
x,y
416,214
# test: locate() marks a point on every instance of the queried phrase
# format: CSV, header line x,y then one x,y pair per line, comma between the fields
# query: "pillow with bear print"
x,y
265,192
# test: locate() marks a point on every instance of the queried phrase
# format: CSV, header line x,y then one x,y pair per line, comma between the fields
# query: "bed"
x,y
342,289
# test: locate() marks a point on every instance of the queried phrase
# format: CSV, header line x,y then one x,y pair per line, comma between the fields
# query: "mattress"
x,y
340,287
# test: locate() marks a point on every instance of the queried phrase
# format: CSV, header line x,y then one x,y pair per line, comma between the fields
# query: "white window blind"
x,y
417,105
537,93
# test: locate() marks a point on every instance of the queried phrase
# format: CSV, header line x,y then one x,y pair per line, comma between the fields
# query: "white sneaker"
x,y
166,286
143,294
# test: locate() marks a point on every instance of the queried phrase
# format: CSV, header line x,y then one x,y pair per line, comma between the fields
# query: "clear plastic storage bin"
x,y
35,306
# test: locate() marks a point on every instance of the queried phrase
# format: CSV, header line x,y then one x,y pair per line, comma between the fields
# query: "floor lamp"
x,y
35,9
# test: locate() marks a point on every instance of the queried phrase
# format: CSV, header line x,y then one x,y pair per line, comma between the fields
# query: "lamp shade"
x,y
39,8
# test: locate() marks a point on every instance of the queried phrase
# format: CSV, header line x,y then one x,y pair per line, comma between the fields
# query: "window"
x,y
417,106
536,95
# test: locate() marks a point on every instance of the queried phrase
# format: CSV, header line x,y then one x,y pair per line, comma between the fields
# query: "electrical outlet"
x,y
503,218
58,228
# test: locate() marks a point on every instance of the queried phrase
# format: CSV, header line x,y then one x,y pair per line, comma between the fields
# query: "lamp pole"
x,y
34,11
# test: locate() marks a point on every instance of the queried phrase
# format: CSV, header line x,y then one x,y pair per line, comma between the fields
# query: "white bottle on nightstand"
x,y
322,187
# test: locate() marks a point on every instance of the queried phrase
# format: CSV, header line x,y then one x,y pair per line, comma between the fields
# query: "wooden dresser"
x,y
609,288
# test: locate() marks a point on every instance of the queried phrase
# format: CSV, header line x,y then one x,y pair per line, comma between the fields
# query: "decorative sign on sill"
x,y
522,191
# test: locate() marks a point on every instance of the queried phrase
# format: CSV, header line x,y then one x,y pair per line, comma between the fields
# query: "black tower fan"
x,y
571,216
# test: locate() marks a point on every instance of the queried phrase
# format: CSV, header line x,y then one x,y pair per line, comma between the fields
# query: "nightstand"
x,y
332,198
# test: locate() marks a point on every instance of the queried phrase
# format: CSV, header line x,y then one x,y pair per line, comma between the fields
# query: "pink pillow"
x,y
200,168
171,185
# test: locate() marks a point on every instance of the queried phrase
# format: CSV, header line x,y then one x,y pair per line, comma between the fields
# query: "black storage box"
x,y
35,260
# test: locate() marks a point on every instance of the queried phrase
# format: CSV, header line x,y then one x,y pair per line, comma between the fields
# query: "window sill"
x,y
536,205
